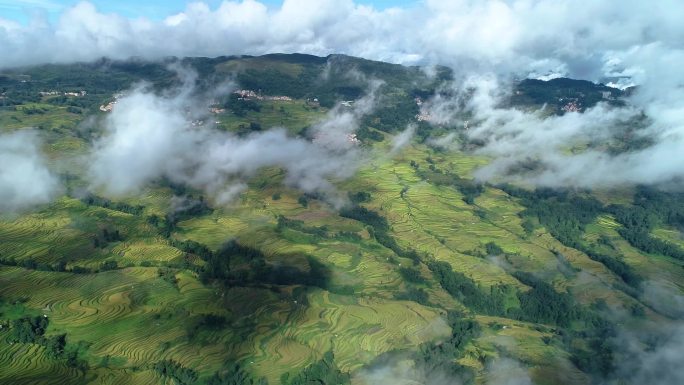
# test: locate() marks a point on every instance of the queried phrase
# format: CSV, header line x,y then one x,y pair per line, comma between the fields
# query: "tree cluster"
x,y
323,372
175,371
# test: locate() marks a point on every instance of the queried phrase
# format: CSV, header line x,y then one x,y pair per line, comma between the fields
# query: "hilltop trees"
x,y
175,371
31,330
28,329
323,372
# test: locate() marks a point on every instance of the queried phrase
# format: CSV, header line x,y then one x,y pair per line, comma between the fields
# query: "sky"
x,y
536,38
22,10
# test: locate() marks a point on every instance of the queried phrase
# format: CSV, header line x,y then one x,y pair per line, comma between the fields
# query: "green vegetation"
x,y
234,374
465,290
176,372
379,229
438,359
28,329
651,208
412,275
108,204
416,295
542,304
323,372
566,217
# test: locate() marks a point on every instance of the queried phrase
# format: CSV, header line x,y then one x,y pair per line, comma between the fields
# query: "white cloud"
x,y
506,371
571,150
149,136
399,370
658,364
403,138
25,179
543,37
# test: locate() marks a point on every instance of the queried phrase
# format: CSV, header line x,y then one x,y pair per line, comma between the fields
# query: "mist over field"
x,y
25,179
572,149
150,136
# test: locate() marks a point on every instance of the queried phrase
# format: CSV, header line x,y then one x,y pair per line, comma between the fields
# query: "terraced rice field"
x,y
131,317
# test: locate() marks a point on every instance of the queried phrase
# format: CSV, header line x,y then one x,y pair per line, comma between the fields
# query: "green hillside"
x,y
424,268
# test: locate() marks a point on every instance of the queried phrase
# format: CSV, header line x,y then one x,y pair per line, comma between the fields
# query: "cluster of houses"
x,y
351,138
250,95
423,117
278,98
55,93
110,106
607,95
572,106
322,137
246,94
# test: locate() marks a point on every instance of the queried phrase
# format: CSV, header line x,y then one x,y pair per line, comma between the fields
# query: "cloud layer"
x,y
149,136
605,146
533,36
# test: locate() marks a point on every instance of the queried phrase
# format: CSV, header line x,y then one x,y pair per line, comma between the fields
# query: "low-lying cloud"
x,y
663,298
650,352
25,179
149,136
507,371
654,357
574,149
399,370
337,130
403,138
